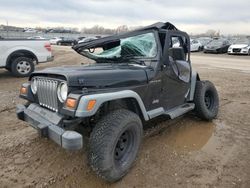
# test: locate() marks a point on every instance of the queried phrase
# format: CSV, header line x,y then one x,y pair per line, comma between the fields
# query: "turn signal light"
x,y
23,90
91,105
71,103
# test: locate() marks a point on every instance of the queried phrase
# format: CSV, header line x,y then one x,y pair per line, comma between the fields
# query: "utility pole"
x,y
7,28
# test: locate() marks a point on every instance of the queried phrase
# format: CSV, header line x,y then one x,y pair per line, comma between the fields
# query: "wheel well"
x,y
20,53
125,103
198,77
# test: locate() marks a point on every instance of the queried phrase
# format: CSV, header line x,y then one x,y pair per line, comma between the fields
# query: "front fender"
x,y
81,110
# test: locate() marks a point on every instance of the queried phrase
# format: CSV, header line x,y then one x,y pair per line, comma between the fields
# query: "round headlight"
x,y
62,92
34,85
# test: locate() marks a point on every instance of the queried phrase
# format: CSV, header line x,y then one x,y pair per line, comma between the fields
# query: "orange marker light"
x,y
71,103
91,105
23,90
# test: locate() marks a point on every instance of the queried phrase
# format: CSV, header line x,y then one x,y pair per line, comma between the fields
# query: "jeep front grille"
x,y
47,93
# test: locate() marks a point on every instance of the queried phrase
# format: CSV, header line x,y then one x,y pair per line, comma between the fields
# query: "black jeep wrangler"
x,y
137,76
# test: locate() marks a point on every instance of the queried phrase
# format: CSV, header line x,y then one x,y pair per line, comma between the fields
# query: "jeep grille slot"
x,y
47,93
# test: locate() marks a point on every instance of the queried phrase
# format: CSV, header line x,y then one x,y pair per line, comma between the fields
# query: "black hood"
x,y
100,76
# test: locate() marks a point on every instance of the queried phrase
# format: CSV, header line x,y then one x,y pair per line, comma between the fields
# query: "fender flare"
x,y
105,97
195,77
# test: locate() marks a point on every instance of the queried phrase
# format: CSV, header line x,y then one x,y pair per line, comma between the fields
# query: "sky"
x,y
193,16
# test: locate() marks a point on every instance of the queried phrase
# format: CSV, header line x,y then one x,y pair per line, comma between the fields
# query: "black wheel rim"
x,y
209,100
124,147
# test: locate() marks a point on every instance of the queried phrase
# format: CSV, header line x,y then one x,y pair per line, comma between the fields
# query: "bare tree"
x,y
122,29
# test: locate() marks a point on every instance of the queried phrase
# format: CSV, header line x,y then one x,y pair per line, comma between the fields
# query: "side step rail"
x,y
180,110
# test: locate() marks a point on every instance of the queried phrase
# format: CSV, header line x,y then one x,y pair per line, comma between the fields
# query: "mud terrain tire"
x,y
114,144
206,100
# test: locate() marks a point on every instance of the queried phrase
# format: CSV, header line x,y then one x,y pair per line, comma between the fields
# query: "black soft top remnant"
x,y
160,25
114,38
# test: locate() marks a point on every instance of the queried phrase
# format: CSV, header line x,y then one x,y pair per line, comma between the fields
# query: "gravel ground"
x,y
186,152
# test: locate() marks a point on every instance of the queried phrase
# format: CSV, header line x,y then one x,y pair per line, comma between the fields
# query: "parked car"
x,y
217,46
240,46
196,46
67,41
116,95
36,38
80,38
54,40
87,39
19,56
30,30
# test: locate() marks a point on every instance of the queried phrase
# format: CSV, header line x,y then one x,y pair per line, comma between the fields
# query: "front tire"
x,y
206,100
114,144
22,67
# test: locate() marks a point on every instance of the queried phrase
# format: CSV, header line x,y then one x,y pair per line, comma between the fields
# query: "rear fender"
x,y
195,77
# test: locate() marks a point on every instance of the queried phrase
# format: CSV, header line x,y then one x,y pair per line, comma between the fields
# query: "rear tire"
x,y
114,144
206,100
22,67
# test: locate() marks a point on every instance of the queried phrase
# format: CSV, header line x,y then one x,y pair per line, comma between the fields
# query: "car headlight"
x,y
230,48
34,85
244,48
62,92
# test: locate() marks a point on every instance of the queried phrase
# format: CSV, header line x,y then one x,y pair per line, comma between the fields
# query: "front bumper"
x,y
210,51
48,124
242,51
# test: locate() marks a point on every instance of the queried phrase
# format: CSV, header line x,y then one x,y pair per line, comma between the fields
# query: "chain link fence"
x,y
23,35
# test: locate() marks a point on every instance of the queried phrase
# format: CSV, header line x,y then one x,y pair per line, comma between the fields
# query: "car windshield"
x,y
242,41
204,41
142,45
216,42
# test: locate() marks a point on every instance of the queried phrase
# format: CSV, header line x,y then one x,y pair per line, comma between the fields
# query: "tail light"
x,y
48,46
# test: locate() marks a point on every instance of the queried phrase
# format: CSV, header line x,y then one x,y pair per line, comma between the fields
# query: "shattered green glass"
x,y
143,45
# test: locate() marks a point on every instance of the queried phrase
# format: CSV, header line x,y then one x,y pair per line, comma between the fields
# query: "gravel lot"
x,y
186,152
